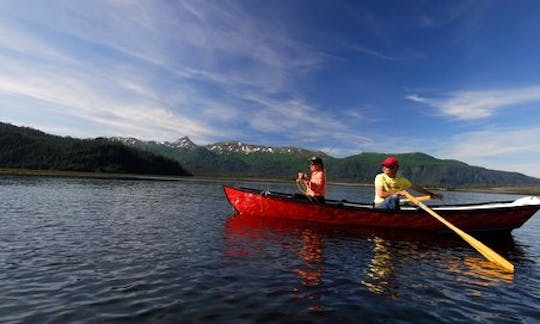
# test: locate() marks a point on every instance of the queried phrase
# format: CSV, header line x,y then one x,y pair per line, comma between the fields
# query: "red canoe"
x,y
486,217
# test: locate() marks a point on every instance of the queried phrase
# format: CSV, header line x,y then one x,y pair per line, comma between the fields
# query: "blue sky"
x,y
453,79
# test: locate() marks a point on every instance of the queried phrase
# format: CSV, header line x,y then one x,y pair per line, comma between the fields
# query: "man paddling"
x,y
389,186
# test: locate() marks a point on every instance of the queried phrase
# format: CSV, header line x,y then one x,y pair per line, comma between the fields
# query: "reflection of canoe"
x,y
485,217
256,228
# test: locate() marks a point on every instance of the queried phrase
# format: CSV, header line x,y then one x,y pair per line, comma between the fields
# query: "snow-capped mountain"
x,y
182,143
185,143
130,141
240,147
229,147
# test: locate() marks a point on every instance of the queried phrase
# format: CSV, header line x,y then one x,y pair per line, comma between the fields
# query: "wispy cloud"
x,y
123,105
161,67
299,121
469,105
494,142
504,149
406,55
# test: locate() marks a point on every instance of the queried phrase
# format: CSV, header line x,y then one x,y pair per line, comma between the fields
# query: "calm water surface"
x,y
152,251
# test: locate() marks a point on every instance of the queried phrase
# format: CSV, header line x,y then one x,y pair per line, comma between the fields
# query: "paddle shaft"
x,y
419,198
479,246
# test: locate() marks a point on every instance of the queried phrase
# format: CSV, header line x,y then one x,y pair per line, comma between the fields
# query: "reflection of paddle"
x,y
485,272
479,246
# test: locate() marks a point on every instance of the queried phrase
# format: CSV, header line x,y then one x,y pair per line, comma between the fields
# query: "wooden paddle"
x,y
419,198
479,246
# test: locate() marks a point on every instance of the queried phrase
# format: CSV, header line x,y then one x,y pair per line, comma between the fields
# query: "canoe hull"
x,y
256,204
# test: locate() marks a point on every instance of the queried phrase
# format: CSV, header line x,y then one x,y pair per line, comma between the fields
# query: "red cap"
x,y
390,162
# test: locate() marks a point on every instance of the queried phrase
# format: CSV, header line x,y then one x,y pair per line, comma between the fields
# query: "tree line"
x,y
26,148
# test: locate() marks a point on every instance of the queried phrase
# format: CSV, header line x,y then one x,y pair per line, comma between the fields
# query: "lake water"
x,y
88,250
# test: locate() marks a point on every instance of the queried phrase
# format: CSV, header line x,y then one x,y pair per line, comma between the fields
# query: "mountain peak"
x,y
183,143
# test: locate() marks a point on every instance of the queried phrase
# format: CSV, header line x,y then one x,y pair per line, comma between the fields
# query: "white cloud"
x,y
130,114
500,149
299,121
406,55
470,105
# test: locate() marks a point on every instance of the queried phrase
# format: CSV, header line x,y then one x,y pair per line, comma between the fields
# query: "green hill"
x,y
22,147
198,161
279,163
427,170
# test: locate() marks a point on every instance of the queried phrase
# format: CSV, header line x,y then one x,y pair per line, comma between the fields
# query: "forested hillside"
x,y
278,163
427,170
22,147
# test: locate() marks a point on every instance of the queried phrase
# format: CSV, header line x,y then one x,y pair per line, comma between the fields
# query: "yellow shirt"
x,y
391,185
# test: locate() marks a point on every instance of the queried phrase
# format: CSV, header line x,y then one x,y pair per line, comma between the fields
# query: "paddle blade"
x,y
479,246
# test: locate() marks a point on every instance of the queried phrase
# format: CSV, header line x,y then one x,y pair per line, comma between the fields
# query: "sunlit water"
x,y
153,251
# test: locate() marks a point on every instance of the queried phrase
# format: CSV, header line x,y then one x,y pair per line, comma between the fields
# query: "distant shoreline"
x,y
517,190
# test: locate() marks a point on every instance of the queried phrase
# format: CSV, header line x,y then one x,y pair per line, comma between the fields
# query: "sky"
x,y
453,79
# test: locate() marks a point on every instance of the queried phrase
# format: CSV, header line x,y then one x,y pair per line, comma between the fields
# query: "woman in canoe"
x,y
315,182
389,186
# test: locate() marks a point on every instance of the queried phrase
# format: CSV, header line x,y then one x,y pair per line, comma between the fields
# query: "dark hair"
x,y
316,160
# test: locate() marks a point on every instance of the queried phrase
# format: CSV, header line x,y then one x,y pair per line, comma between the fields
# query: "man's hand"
x,y
436,196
